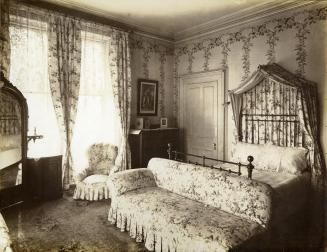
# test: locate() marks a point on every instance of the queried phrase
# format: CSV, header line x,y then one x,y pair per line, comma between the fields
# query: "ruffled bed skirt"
x,y
137,230
145,231
91,192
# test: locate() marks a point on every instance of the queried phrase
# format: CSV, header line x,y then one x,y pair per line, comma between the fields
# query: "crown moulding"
x,y
240,18
255,13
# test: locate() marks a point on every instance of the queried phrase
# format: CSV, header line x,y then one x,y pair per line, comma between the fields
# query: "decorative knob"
x,y
250,159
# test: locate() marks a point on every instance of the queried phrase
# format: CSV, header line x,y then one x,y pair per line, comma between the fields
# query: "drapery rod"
x,y
267,115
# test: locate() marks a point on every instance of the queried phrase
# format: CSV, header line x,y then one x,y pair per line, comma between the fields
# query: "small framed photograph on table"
x,y
147,97
163,122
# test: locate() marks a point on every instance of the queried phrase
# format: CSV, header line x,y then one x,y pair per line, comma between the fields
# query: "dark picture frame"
x,y
147,97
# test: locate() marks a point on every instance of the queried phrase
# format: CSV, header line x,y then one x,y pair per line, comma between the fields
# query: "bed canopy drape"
x,y
278,107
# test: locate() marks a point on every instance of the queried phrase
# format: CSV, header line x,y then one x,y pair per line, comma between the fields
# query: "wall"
x,y
295,40
153,59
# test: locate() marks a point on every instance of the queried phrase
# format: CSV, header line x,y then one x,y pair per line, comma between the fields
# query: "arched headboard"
x,y
267,108
13,143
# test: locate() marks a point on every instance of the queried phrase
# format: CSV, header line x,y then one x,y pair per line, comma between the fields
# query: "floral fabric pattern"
x,y
92,181
120,68
241,196
294,102
64,36
166,221
4,38
4,236
168,207
272,98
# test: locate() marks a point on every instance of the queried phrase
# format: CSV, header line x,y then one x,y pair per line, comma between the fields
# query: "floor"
x,y
66,225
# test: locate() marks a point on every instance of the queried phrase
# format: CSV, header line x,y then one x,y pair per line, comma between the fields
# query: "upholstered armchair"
x,y
91,183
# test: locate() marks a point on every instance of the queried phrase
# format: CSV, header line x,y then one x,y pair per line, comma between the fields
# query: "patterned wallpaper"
x,y
151,62
270,30
155,59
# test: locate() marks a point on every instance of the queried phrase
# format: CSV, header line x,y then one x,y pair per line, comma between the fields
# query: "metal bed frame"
x,y
252,124
176,155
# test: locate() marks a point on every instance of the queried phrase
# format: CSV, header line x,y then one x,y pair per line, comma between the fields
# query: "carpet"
x,y
66,225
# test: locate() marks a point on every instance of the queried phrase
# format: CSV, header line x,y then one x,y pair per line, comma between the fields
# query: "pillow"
x,y
271,157
261,158
293,160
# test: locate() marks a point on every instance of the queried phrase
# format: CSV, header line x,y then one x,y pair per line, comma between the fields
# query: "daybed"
x,y
4,236
173,206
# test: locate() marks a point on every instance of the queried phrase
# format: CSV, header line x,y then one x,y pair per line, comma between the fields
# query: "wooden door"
x,y
203,115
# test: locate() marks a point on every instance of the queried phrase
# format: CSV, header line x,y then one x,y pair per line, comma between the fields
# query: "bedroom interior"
x,y
163,126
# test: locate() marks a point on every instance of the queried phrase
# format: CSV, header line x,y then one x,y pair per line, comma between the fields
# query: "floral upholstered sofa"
x,y
4,236
174,206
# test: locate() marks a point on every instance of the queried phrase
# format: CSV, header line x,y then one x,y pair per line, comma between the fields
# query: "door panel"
x,y
203,116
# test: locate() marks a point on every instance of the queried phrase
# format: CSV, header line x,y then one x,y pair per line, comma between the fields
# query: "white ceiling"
x,y
174,19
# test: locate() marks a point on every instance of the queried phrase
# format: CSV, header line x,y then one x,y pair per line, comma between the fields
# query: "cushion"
x,y
271,157
293,160
166,221
93,187
96,178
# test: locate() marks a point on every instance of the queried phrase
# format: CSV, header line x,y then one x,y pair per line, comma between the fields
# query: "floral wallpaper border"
x,y
299,21
150,49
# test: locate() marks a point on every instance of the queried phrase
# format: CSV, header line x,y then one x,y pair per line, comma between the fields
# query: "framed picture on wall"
x,y
147,97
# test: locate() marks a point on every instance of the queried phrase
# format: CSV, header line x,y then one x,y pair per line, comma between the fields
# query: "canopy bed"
x,y
277,121
13,142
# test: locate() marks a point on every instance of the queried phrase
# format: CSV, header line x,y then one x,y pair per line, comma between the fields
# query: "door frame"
x,y
220,76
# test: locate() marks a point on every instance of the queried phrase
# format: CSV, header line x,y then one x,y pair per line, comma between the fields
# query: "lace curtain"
x,y
29,72
96,119
94,103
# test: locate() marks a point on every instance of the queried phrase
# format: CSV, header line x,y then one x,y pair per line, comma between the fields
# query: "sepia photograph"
x,y
170,126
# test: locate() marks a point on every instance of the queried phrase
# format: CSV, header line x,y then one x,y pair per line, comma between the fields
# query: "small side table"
x,y
44,178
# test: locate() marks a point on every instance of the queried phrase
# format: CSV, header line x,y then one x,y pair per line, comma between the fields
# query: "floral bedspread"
x,y
173,206
166,221
228,192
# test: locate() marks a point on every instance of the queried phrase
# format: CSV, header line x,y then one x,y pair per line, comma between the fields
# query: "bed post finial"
x,y
169,151
250,166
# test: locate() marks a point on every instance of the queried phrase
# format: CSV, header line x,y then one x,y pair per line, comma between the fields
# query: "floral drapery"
x,y
269,114
4,38
272,89
121,82
64,36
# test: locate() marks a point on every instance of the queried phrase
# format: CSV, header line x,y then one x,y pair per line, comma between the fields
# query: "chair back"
x,y
102,157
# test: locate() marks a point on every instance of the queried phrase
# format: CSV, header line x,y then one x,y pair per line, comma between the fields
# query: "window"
x,y
96,119
29,73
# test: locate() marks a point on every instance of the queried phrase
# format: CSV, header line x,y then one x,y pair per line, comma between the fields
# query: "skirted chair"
x,y
91,183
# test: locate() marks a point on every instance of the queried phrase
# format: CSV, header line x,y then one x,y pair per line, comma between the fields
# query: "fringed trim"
x,y
91,192
153,239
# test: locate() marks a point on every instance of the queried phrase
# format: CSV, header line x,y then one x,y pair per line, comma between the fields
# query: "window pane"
x,y
29,73
96,120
